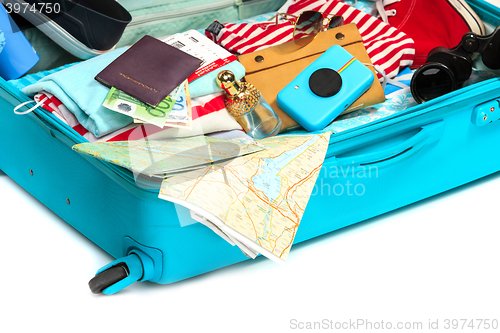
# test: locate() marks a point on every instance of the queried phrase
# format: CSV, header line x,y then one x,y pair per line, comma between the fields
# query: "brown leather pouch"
x,y
271,69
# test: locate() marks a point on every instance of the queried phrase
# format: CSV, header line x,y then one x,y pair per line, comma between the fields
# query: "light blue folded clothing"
x,y
33,78
77,89
404,79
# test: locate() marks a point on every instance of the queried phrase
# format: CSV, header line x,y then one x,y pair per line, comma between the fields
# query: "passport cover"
x,y
149,70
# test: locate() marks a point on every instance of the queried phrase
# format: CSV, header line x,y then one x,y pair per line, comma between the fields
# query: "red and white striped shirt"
x,y
387,47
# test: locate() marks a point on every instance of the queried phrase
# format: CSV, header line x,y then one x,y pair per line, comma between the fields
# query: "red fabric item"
x,y
430,23
200,108
386,46
213,105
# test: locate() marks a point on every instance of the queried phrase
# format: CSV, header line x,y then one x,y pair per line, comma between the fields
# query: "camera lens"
x,y
432,80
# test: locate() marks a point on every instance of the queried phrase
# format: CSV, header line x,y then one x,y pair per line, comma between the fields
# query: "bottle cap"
x,y
227,81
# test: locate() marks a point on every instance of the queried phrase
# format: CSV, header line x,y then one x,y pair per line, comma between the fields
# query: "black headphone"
x,y
446,70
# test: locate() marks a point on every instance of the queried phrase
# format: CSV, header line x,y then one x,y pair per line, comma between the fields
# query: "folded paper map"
x,y
164,157
257,199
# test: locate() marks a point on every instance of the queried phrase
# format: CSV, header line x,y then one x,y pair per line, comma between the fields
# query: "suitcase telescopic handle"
x,y
385,157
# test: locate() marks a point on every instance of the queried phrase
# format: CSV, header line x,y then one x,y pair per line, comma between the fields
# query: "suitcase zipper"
x,y
154,18
147,19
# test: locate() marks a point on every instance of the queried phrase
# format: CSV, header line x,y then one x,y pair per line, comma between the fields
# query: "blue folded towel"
x,y
77,89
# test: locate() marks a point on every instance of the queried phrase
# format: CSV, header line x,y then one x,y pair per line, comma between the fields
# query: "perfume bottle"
x,y
245,103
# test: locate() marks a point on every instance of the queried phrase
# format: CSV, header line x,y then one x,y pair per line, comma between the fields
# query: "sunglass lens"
x,y
430,81
308,25
335,22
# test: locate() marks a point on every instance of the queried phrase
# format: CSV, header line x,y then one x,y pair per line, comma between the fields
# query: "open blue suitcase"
x,y
426,150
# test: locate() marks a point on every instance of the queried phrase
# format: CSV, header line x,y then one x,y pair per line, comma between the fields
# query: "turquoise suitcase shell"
x,y
427,150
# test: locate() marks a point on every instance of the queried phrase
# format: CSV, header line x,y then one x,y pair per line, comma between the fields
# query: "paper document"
x,y
180,114
165,157
196,44
256,199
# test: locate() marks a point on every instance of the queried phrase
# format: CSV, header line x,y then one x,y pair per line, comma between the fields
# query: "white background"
x,y
434,260
437,259
494,2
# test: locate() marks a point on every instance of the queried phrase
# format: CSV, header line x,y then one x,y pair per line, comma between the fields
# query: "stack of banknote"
x,y
173,111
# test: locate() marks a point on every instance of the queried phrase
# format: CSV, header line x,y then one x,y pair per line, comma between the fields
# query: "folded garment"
x,y
400,84
209,115
77,89
387,46
33,78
